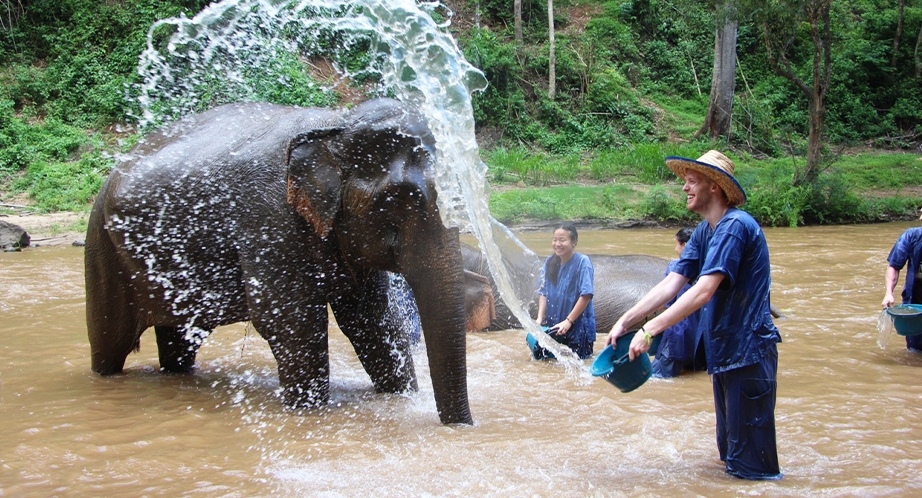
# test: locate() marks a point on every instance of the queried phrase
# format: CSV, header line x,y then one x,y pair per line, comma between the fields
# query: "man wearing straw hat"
x,y
907,249
727,259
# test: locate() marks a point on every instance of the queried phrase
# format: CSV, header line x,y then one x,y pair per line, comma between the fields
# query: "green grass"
x,y
682,116
571,202
634,183
869,172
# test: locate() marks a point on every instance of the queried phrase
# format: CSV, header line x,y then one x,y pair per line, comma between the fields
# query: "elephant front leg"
x,y
380,341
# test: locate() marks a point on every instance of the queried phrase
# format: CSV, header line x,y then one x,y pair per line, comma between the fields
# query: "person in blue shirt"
x,y
565,296
727,259
907,249
681,342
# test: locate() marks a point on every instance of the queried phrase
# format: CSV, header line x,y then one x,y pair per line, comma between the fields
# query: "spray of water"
x,y
884,327
216,57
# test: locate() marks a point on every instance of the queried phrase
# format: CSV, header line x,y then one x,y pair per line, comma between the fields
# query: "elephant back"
x,y
234,144
620,282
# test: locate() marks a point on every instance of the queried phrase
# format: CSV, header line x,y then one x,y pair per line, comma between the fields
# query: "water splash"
x,y
884,327
211,59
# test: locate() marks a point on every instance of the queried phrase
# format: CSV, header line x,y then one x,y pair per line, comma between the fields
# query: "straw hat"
x,y
715,166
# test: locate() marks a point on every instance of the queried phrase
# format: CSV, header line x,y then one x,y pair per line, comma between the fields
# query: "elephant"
x,y
620,282
270,214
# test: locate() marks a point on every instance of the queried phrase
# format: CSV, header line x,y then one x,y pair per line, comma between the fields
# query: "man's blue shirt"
x,y
736,322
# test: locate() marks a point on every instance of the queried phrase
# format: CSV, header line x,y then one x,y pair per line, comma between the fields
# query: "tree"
x,y
551,60
898,34
915,54
780,27
517,13
718,120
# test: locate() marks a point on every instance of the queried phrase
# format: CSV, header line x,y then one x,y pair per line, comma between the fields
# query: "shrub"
x,y
663,204
68,186
22,144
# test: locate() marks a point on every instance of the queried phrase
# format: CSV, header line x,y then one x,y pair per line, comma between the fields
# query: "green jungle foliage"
x,y
632,80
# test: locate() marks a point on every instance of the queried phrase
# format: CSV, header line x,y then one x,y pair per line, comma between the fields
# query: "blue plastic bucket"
x,y
614,365
907,318
537,352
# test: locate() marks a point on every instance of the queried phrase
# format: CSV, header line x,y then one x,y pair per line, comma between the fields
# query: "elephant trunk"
x,y
433,267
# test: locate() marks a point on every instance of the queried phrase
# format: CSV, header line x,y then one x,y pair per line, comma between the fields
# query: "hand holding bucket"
x,y
614,364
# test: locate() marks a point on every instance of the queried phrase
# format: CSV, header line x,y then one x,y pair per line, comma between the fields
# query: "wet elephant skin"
x,y
265,213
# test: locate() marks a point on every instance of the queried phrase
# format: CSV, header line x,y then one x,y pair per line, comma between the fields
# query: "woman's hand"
x,y
562,328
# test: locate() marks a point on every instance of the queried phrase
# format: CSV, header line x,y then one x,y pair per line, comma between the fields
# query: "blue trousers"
x,y
744,399
914,343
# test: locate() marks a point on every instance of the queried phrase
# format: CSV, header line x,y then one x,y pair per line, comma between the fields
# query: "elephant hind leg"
x,y
177,348
108,357
112,319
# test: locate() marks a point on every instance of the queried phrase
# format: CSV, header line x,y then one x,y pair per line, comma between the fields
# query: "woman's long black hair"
x,y
553,266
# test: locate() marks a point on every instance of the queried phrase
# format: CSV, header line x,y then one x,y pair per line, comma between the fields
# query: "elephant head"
x,y
367,183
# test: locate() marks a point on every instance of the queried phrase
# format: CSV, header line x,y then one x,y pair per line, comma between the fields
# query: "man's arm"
x,y
659,295
693,299
890,279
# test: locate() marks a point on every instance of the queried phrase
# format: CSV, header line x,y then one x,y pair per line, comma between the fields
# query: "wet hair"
x,y
553,266
684,234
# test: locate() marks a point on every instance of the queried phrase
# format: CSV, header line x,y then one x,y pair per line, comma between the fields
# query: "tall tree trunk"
x,y
898,34
915,55
821,33
718,120
817,16
552,58
517,12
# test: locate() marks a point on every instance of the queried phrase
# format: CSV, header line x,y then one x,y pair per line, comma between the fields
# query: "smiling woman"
x,y
565,297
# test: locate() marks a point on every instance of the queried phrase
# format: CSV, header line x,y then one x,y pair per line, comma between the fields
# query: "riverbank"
x,y
68,228
51,229
61,229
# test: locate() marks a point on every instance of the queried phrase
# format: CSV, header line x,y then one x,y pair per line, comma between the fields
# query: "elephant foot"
x,y
108,367
176,369
398,384
313,395
177,349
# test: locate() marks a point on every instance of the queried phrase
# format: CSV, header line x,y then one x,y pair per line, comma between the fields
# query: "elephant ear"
x,y
314,178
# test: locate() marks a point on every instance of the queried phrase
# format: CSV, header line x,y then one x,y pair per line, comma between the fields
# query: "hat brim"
x,y
735,194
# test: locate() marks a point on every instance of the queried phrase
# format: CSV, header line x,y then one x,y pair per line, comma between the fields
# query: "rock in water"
x,y
13,237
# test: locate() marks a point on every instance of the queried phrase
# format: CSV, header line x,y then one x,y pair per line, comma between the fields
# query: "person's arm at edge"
x,y
889,284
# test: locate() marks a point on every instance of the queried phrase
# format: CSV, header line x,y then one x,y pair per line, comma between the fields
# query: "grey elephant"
x,y
265,213
620,281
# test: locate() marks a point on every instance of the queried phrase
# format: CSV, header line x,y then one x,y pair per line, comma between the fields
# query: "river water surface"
x,y
849,414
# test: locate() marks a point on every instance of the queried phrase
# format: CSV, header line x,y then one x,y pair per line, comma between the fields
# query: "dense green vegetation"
x,y
632,80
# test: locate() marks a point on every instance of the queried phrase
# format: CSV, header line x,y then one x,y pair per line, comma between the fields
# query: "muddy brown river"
x,y
849,414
